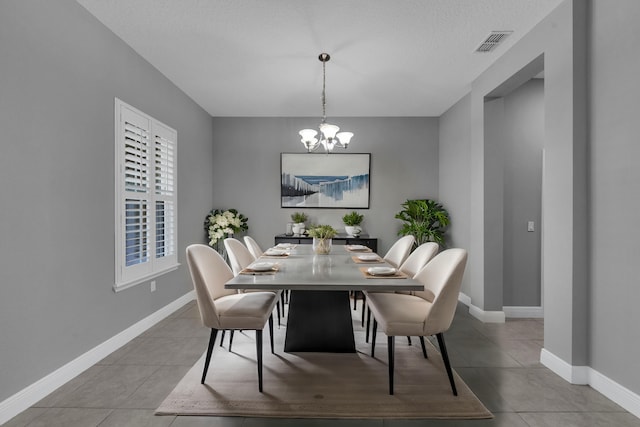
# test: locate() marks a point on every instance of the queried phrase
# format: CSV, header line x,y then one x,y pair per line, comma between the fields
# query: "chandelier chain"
x,y
324,96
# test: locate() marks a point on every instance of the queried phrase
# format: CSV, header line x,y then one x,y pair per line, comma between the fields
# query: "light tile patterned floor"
x,y
500,362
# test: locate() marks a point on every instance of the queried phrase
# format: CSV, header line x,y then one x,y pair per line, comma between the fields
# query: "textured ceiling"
x,y
260,57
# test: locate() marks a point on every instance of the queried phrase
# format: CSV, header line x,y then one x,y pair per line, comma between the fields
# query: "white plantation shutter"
x,y
146,223
164,179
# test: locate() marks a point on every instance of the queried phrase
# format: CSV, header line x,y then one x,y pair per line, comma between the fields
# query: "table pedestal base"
x,y
319,321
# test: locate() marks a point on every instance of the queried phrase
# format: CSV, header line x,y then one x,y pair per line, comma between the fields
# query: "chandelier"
x,y
329,136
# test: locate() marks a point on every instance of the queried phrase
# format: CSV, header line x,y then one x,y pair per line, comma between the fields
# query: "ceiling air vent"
x,y
493,40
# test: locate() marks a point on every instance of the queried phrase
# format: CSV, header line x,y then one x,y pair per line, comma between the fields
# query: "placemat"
x,y
251,272
350,248
399,274
274,256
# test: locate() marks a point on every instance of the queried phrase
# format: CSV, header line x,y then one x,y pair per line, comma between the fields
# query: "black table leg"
x,y
320,321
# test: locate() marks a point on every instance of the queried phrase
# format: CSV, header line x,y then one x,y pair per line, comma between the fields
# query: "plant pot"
x,y
353,230
321,246
298,228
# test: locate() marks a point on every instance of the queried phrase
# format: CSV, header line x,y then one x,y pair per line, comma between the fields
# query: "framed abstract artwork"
x,y
333,181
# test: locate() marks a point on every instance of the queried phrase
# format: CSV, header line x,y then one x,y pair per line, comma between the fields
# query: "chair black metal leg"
x,y
366,337
212,340
271,332
391,343
447,365
409,340
231,339
373,336
278,311
222,337
259,354
355,299
364,308
424,348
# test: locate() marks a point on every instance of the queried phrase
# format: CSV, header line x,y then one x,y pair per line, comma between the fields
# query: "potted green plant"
x,y
425,219
299,219
352,222
322,235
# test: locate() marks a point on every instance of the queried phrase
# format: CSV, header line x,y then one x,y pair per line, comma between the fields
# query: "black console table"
x,y
340,239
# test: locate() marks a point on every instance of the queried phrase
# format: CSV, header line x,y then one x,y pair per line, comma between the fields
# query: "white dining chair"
x,y
222,309
411,266
253,247
428,312
395,256
399,251
240,258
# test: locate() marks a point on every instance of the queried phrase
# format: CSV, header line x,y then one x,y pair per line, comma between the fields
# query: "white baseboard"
x,y
465,299
30,395
487,316
616,392
570,373
586,375
478,313
523,312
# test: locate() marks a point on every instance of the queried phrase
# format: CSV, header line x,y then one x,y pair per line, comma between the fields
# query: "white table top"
x,y
303,270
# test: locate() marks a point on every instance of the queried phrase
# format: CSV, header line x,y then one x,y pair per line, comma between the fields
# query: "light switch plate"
x,y
531,226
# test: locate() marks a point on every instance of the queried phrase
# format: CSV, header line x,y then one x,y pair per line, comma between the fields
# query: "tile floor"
x,y
499,362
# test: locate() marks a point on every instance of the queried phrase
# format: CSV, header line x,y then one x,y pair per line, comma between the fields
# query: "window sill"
x,y
117,287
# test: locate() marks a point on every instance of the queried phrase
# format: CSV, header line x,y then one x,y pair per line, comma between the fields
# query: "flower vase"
x,y
219,247
321,246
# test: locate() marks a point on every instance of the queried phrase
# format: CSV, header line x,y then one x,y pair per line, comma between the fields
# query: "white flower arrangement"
x,y
221,223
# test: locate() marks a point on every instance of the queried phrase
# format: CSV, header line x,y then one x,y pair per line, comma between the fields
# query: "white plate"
x,y
261,266
275,252
368,257
357,247
382,271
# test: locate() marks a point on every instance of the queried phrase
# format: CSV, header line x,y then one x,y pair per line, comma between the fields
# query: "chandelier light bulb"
x,y
328,130
344,138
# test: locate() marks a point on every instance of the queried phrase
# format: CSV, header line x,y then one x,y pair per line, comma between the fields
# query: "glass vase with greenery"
x,y
322,235
425,219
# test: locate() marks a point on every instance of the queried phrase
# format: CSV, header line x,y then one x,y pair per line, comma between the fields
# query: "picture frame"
x,y
325,181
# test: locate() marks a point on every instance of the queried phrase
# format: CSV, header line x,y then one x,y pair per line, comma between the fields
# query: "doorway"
x,y
514,144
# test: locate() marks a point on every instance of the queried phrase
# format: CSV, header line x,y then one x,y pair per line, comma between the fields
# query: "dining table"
x,y
319,317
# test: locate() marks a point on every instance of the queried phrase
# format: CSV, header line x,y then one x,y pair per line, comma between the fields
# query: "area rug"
x,y
322,385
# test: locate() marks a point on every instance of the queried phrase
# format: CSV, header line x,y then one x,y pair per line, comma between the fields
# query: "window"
x,y
146,197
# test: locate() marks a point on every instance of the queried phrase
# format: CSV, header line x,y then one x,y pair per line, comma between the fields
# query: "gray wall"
x,y
494,140
523,126
614,199
590,294
246,168
560,37
454,140
61,70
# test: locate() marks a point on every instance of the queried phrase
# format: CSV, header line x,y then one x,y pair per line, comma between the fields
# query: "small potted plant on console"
x,y
299,218
352,223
